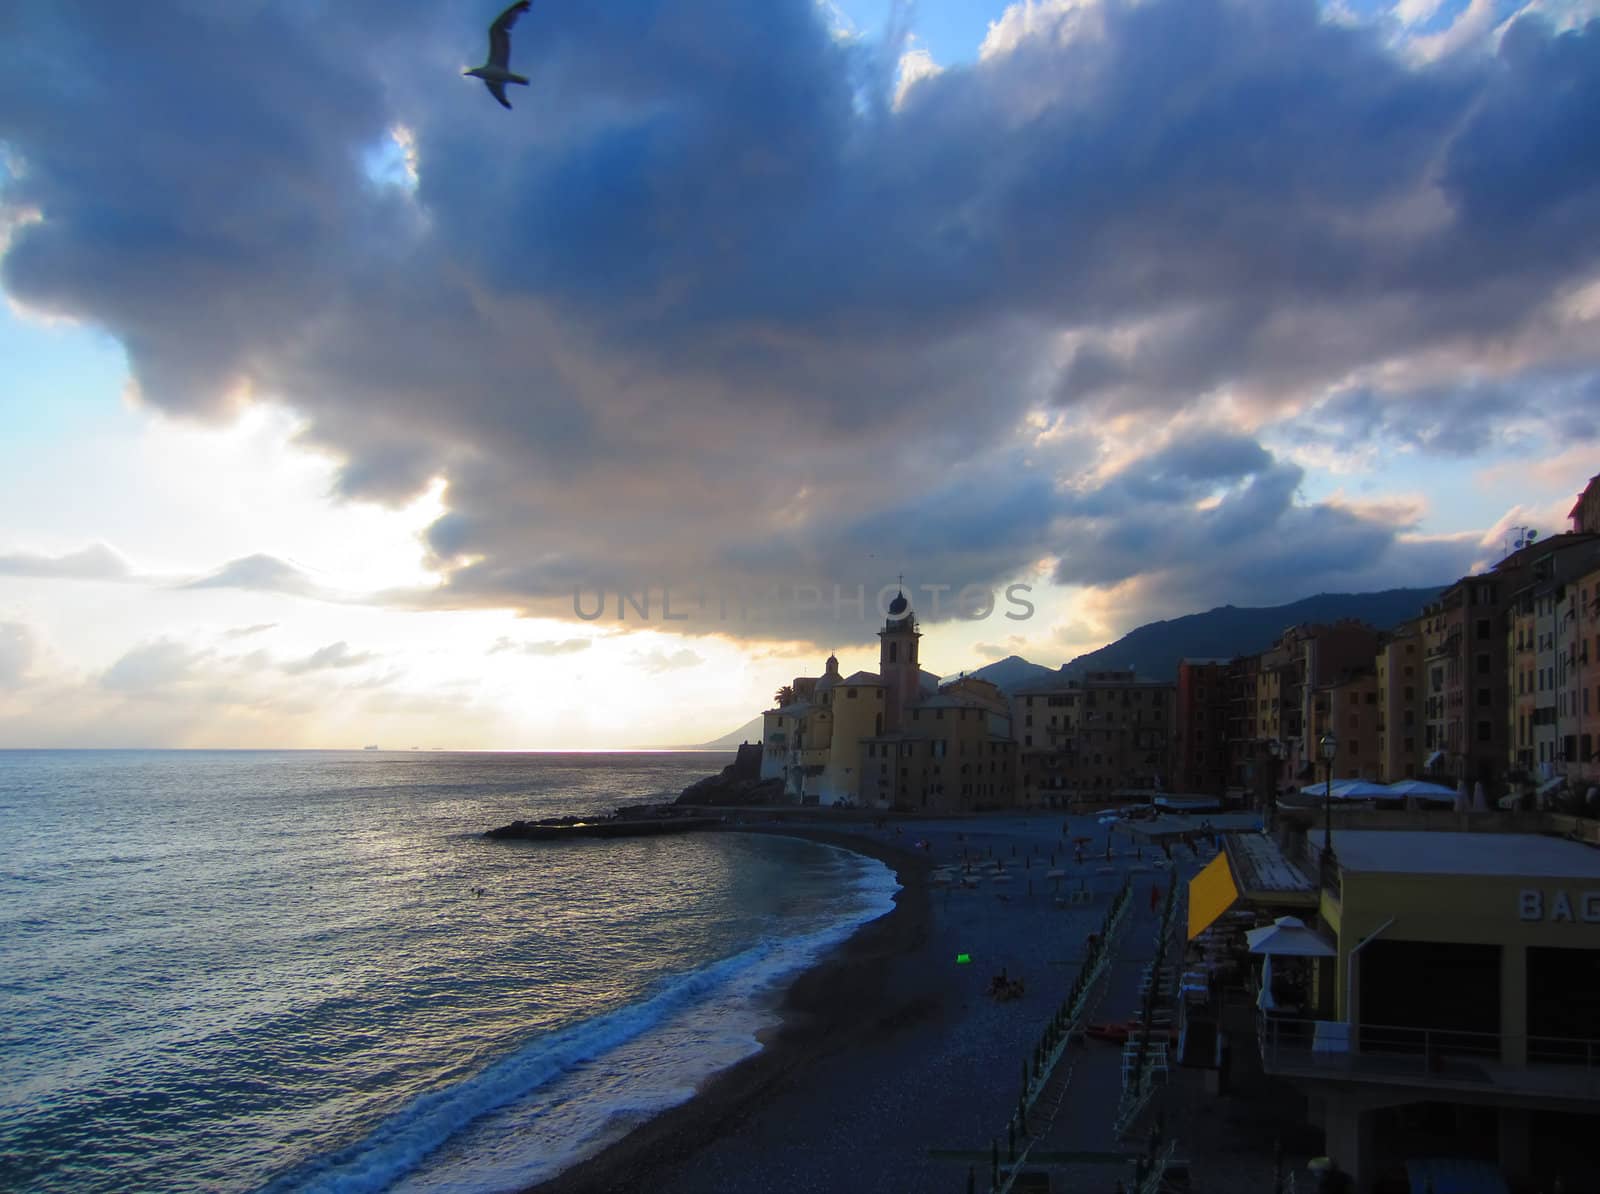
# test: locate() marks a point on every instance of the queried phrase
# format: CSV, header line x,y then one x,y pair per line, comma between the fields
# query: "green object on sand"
x,y
963,959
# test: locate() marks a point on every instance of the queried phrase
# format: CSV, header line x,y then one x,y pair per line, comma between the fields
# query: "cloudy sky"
x,y
337,400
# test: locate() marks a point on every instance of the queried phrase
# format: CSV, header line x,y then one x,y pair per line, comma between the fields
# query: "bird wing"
x,y
498,90
500,34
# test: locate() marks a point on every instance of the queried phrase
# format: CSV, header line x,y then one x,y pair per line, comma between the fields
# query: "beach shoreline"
x,y
842,1000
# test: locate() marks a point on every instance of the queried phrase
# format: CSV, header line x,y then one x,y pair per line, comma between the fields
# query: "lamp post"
x,y
1329,746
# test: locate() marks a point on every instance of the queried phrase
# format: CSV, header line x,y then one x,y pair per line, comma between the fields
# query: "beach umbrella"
x,y
1421,789
1288,936
1264,999
1348,789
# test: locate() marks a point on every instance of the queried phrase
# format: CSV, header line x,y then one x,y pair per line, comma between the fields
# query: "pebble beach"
x,y
894,1068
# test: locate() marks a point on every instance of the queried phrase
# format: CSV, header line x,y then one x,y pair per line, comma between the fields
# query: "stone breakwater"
x,y
739,783
560,828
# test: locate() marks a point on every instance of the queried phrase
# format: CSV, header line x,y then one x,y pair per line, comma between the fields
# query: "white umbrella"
x,y
1289,936
1264,999
1421,789
1348,789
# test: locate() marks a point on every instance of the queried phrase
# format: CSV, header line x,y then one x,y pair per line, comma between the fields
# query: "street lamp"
x,y
1329,746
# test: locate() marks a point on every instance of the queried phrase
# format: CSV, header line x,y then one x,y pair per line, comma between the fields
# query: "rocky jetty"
x,y
739,783
637,821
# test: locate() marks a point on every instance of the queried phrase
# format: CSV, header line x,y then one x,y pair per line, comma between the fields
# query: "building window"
x,y
1483,627
850,692
1483,698
1485,731
1483,663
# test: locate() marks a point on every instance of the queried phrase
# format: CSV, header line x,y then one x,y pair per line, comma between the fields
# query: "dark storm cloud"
x,y
1252,539
1459,420
693,315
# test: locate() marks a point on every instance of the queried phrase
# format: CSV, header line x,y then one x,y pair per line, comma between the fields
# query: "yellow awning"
x,y
1211,893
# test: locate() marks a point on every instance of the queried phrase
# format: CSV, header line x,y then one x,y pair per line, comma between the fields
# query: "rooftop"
x,y
1424,852
1262,868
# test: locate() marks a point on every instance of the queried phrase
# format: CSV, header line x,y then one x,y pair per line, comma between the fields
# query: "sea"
x,y
294,971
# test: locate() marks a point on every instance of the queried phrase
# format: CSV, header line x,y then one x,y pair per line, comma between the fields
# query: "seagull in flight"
x,y
496,72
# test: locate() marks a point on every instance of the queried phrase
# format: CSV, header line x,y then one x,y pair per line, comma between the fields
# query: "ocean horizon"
x,y
308,970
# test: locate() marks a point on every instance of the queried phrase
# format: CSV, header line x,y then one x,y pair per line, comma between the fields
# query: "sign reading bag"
x,y
1561,906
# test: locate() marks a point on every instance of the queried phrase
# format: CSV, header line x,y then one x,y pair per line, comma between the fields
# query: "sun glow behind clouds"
x,y
393,160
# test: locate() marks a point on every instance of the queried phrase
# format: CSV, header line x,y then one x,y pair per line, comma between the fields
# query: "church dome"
x,y
899,605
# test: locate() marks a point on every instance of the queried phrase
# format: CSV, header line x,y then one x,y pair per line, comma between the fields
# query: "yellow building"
x,y
892,738
1459,1011
1350,709
1400,702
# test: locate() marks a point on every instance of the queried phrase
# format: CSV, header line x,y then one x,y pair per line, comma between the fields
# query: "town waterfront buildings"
x,y
892,738
1497,682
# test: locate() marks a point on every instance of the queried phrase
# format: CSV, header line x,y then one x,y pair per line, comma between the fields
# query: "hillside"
x,y
751,731
1154,649
1011,673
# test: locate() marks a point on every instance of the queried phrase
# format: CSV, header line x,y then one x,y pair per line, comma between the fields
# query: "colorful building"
x,y
892,738
1457,1010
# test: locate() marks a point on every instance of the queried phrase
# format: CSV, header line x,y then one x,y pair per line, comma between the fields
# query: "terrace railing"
x,y
1557,1067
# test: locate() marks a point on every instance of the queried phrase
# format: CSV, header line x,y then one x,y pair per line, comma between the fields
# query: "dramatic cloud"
x,y
97,562
1198,524
729,301
334,655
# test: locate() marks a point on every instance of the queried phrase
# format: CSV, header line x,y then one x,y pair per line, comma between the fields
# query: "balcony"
x,y
1557,1068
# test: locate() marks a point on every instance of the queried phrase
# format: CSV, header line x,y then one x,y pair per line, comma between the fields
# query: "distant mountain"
x,y
1011,673
751,731
1154,650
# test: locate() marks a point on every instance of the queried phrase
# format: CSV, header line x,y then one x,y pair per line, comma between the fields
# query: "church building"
x,y
892,738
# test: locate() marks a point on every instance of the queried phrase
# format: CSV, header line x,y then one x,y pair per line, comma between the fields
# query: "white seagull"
x,y
496,72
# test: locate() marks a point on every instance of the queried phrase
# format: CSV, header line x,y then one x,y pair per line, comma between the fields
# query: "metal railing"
x,y
1558,1066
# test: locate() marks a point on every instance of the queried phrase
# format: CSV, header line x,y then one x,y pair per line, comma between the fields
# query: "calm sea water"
x,y
272,970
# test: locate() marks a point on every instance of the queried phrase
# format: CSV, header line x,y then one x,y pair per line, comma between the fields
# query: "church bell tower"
x,y
898,665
